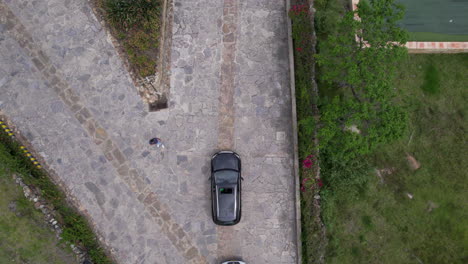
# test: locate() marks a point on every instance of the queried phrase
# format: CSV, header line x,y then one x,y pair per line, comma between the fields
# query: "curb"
x,y
23,148
295,140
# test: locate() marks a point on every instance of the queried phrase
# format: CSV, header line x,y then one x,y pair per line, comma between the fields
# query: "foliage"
x,y
431,80
303,64
329,13
302,32
129,13
379,223
136,25
359,62
76,230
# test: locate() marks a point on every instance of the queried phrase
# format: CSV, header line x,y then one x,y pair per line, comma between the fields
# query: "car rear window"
x,y
225,190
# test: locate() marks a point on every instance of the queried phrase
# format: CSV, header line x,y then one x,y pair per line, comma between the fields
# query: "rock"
x,y
317,197
12,206
152,98
431,206
379,174
409,195
353,128
413,163
382,172
27,191
387,171
35,199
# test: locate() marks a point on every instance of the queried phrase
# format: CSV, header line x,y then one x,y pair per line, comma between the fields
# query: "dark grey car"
x,y
226,188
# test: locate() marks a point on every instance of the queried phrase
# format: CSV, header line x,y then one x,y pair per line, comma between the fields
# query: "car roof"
x,y
226,176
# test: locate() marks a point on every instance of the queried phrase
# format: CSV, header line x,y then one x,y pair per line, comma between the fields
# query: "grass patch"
x,y
76,230
379,223
429,36
136,24
24,236
431,80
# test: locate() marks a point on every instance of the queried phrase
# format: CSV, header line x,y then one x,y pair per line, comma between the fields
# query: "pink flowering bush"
x,y
299,9
308,162
308,181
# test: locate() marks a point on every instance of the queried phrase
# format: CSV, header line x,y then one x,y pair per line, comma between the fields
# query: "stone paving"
x,y
65,88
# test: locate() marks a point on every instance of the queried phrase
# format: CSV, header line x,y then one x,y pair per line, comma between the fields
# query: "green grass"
x,y
24,236
431,83
76,229
136,25
378,223
429,36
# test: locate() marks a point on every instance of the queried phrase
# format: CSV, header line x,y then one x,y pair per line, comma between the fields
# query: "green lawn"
x,y
379,223
429,36
24,235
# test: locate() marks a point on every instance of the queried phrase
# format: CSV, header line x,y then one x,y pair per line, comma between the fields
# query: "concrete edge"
x,y
163,67
295,140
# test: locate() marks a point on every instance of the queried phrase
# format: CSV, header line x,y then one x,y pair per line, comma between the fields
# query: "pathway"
x,y
65,88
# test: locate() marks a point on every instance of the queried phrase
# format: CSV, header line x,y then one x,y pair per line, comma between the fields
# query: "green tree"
x,y
359,61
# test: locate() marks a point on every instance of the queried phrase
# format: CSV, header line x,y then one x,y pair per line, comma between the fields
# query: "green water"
x,y
439,17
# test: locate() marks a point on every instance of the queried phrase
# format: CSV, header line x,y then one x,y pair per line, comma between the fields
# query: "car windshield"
x,y
226,177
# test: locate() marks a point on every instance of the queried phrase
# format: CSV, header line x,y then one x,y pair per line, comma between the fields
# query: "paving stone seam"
x,y
227,243
226,98
136,183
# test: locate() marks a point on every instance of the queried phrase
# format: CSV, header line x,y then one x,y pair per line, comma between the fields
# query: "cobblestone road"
x,y
65,88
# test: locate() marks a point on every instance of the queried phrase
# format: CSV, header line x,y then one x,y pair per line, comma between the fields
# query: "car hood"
x,y
226,161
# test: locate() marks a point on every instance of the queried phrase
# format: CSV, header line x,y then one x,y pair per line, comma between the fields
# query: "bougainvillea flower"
x,y
307,163
319,182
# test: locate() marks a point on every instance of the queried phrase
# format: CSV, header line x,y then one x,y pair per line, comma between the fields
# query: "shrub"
x,y
361,73
303,63
328,15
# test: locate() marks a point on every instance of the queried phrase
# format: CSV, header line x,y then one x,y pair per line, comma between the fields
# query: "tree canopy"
x,y
359,61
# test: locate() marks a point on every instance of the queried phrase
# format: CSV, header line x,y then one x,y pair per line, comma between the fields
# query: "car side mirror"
x,y
242,178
